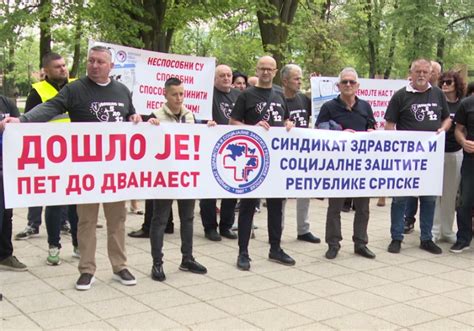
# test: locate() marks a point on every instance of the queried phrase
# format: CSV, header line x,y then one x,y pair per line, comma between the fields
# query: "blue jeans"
x,y
54,216
34,216
466,202
397,211
411,209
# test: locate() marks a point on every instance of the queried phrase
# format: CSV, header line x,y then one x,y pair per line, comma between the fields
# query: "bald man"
x,y
223,101
435,73
264,106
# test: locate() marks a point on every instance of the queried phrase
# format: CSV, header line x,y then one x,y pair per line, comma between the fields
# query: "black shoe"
x,y
395,246
193,266
408,228
364,251
243,261
458,247
332,252
157,272
430,246
409,225
309,237
28,232
85,282
228,234
139,234
281,257
212,235
346,209
169,228
125,277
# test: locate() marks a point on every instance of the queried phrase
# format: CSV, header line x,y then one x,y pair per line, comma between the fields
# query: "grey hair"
x,y
414,63
99,48
348,70
285,71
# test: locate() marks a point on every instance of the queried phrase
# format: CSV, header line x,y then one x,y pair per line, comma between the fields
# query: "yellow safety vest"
x,y
47,91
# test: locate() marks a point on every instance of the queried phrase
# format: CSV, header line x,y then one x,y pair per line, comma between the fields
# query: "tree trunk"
x,y
441,41
76,60
371,39
44,9
273,21
8,77
156,38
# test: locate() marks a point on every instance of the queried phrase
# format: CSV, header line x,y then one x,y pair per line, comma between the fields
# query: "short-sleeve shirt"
x,y
86,101
417,111
465,117
222,105
299,109
7,109
451,144
257,104
359,117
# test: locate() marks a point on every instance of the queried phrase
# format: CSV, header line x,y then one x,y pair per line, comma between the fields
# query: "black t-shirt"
x,y
417,111
256,104
465,117
359,118
451,144
222,104
7,109
86,101
299,109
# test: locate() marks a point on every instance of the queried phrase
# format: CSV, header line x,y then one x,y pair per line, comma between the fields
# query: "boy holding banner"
x,y
173,111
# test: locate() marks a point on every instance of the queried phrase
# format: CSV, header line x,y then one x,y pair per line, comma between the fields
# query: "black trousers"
x,y
6,215
209,215
274,222
149,214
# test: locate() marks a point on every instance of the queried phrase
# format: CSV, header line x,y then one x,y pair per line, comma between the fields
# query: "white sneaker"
x,y
76,253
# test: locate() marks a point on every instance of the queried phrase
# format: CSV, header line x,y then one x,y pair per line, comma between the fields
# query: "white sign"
x,y
145,72
50,164
377,92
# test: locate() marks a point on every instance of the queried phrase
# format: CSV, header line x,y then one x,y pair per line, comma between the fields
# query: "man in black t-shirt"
x,y
222,103
464,133
417,107
263,106
94,98
7,260
299,108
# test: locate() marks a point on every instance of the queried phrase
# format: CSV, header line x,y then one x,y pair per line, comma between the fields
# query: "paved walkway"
x,y
413,290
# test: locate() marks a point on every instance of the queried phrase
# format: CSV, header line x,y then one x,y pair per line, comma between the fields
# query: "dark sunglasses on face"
x,y
448,82
344,82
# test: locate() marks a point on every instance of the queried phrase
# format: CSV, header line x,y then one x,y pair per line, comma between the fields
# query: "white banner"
x,y
50,164
145,72
377,92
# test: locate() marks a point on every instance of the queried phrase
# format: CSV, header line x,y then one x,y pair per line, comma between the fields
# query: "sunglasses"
x,y
448,82
345,81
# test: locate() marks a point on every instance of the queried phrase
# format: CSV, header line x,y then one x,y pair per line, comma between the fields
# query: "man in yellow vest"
x,y
56,77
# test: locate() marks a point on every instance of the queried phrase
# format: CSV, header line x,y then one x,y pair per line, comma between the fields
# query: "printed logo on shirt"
x,y
424,111
240,161
105,111
299,117
272,114
226,109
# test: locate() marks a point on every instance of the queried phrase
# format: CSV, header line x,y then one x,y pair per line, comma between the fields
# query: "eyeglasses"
x,y
345,81
266,69
448,82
